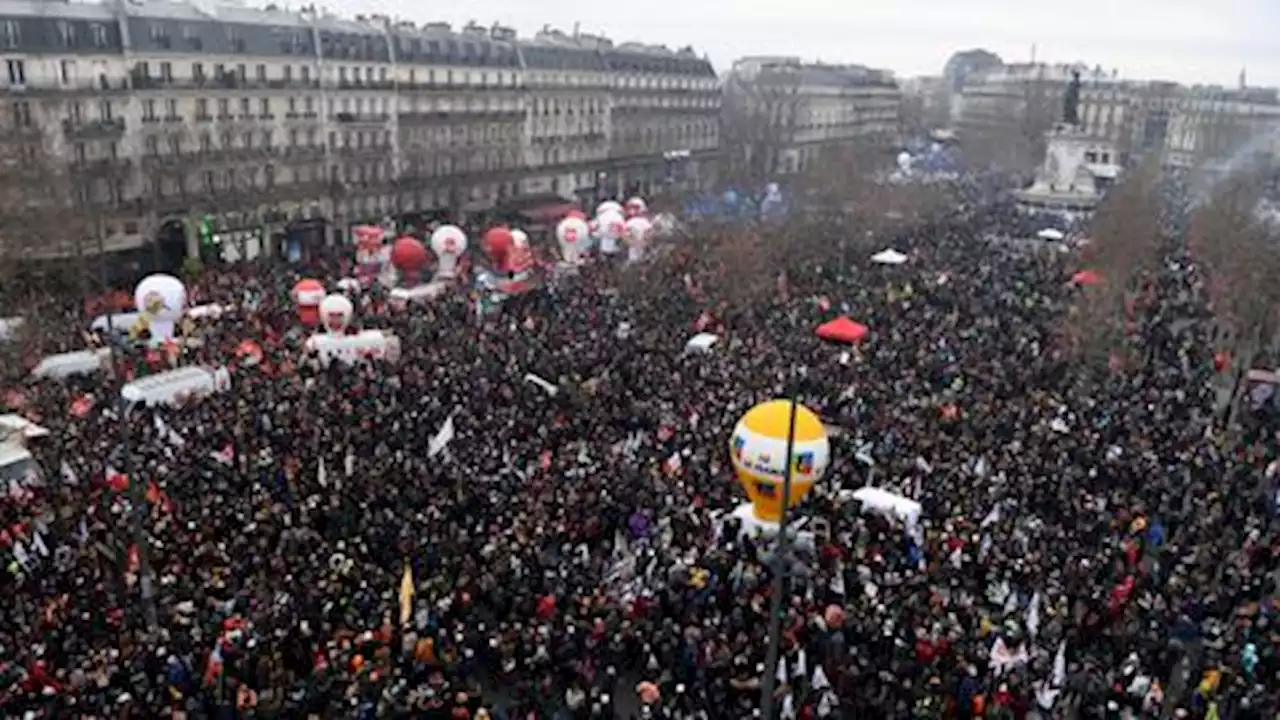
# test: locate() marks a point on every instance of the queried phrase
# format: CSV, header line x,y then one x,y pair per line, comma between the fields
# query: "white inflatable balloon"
x,y
161,300
573,234
448,242
610,227
608,206
519,238
637,236
636,206
335,313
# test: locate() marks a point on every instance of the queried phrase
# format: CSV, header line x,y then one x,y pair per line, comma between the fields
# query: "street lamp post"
x,y
781,565
139,511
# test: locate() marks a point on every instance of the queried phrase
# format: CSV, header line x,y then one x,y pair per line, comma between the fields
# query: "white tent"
x,y
1050,234
889,256
701,342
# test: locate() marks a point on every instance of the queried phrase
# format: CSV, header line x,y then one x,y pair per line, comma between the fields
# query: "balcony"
x,y
156,161
103,167
361,119
108,128
299,152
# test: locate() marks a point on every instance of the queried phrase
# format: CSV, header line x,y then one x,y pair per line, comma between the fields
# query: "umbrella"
x,y
1087,278
889,256
843,330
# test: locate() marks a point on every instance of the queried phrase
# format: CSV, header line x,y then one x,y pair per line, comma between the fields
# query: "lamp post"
x,y
139,511
781,565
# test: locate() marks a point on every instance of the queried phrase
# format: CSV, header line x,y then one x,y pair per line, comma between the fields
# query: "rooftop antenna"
x,y
576,27
1033,53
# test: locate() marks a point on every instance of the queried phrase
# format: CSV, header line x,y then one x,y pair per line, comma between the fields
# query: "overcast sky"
x,y
1185,40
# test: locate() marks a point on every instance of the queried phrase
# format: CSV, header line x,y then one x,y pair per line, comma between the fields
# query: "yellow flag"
x,y
406,595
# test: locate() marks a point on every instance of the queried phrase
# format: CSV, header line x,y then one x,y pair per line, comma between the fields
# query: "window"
x,y
17,72
104,110
240,72
197,72
10,34
244,107
224,108
171,109
66,71
247,140
225,141
305,73
166,71
22,114
260,73
288,73
293,138
99,34
264,107
202,109
268,139
382,75
293,106
310,105
148,110
153,145
342,74
175,144
66,33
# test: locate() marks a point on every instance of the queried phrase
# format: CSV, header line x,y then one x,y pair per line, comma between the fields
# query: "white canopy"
x,y
889,256
701,342
1050,234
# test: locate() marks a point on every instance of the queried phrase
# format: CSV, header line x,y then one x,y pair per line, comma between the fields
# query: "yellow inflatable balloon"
x,y
758,449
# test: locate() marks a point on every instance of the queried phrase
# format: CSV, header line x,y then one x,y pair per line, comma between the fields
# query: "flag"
x,y
322,476
116,480
442,438
406,595
81,406
673,464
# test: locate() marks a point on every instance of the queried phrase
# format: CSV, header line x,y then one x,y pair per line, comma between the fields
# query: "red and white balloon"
x,y
448,242
573,234
335,314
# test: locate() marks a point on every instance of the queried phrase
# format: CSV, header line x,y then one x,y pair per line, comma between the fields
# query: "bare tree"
x,y
759,119
1127,242
1240,253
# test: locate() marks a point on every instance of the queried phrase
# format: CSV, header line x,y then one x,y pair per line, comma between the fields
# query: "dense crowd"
x,y
1091,546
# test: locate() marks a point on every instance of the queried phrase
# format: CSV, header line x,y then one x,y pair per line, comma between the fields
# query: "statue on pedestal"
x,y
1071,101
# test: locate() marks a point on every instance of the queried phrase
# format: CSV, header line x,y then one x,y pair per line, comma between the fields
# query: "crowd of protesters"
x,y
1091,547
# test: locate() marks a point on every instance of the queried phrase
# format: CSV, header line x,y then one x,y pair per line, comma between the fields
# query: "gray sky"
x,y
1184,40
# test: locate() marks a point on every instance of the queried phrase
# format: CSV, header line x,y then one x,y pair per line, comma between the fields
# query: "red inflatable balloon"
x,y
408,254
498,242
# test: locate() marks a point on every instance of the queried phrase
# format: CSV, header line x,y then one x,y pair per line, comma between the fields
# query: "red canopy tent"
x,y
1087,278
843,330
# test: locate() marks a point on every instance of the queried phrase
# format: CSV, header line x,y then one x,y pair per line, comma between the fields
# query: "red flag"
x,y
81,406
117,481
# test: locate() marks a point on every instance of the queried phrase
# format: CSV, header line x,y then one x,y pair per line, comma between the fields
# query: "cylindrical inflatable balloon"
x,y
519,238
498,242
610,227
637,235
572,233
335,314
636,207
448,242
758,450
161,300
608,206
409,257
307,295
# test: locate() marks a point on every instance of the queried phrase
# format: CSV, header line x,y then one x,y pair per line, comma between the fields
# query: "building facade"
x,y
258,129
1003,114
782,114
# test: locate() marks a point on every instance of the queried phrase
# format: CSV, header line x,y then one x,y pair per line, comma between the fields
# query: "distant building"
x,y
781,114
183,124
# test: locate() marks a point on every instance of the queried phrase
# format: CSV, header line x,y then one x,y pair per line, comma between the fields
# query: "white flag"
x,y
1032,618
442,438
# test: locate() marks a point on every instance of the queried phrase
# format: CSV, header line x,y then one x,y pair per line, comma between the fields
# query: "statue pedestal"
x,y
1067,181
